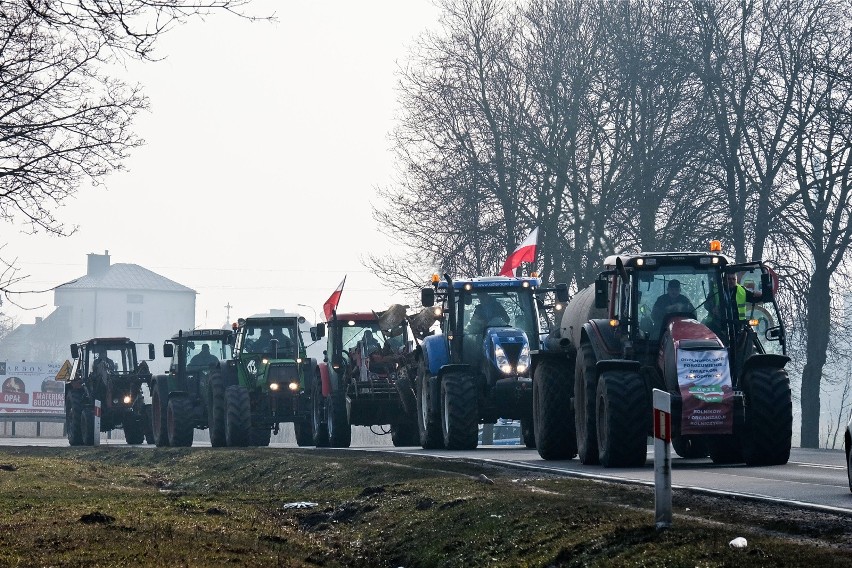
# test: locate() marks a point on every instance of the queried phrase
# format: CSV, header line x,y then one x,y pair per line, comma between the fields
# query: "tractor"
x,y
479,368
107,370
678,322
185,398
365,378
264,383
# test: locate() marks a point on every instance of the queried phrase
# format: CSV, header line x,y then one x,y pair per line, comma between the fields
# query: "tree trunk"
x,y
818,326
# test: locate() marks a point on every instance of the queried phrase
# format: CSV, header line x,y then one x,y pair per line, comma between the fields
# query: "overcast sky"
x,y
265,144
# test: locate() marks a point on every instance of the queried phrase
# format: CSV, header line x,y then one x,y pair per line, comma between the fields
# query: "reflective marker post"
x,y
662,458
96,423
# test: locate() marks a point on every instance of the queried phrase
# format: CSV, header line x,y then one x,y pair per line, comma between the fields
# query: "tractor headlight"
x,y
294,386
127,399
273,386
500,358
524,360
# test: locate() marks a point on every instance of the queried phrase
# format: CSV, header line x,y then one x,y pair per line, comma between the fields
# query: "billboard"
x,y
31,388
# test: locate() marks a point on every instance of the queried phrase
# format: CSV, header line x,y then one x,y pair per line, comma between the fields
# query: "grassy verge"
x,y
201,507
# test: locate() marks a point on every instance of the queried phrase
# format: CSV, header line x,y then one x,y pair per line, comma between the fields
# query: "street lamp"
x,y
312,309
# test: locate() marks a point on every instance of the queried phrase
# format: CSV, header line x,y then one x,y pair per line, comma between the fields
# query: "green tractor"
x,y
264,383
185,398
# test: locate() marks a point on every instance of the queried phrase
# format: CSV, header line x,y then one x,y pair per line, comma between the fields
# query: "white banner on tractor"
x,y
706,392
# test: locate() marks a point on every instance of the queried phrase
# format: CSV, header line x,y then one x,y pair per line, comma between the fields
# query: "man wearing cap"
x,y
671,302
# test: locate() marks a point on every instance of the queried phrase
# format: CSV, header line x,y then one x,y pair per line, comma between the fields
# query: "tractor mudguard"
x,y
765,360
435,353
602,337
325,379
457,368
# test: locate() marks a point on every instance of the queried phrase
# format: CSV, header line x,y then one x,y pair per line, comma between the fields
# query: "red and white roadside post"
x,y
662,458
96,423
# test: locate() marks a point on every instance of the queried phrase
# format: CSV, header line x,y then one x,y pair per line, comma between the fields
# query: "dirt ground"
x,y
117,505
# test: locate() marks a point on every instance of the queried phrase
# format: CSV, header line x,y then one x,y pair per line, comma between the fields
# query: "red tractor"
x,y
365,378
689,323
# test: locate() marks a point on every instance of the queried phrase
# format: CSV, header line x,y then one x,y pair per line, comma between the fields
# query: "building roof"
x,y
126,277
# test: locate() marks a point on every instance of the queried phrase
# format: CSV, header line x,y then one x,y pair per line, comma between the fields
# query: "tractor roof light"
x,y
468,286
613,323
437,312
715,246
534,274
525,284
435,279
640,261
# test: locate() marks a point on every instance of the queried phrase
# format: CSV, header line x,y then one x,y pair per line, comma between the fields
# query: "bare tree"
x,y
64,119
821,219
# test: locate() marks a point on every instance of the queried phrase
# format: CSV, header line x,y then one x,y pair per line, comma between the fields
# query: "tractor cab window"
x,y
112,360
259,338
499,308
672,290
201,353
762,316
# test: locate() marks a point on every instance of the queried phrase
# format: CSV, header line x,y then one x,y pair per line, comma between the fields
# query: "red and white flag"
x,y
331,304
524,253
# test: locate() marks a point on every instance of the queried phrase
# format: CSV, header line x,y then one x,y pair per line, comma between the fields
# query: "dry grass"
x,y
114,506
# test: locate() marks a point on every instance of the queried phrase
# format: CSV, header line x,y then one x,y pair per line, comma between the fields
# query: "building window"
x,y
134,298
134,320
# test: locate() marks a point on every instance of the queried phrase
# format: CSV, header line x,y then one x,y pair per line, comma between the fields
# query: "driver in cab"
x,y
488,312
671,302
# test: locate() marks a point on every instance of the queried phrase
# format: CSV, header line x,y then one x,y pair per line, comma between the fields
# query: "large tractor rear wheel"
x,y
87,422
73,417
147,424
319,418
237,416
216,409
260,436
179,421
768,428
553,418
459,414
405,434
585,387
428,410
304,433
159,409
623,418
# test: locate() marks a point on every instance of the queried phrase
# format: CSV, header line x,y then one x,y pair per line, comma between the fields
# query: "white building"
x,y
110,300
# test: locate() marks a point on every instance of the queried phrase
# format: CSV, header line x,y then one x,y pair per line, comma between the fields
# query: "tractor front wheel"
x,y
304,433
179,421
73,417
585,387
237,416
768,428
159,408
319,418
216,409
428,411
553,417
623,419
459,416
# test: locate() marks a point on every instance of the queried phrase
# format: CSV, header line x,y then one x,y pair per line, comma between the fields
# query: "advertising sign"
x,y
706,392
31,388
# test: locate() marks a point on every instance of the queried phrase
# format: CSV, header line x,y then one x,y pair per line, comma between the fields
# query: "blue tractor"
x,y
479,368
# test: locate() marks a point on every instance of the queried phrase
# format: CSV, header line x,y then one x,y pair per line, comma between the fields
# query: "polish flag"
x,y
524,253
331,304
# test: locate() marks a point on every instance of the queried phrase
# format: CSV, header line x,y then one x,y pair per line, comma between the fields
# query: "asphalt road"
x,y
813,479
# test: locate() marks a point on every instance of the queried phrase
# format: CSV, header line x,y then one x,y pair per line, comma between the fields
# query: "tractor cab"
x,y
699,300
491,323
